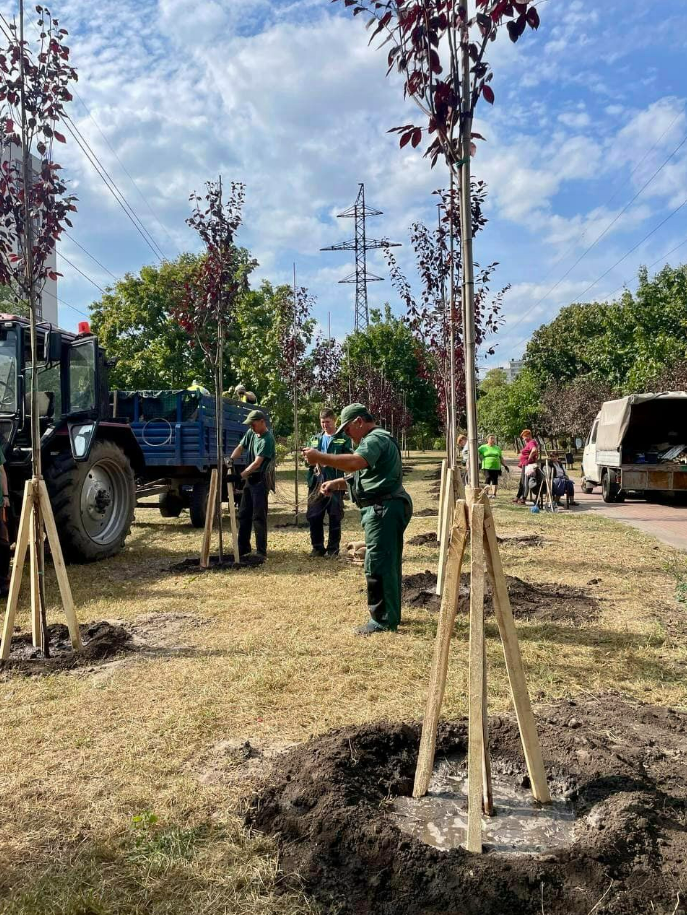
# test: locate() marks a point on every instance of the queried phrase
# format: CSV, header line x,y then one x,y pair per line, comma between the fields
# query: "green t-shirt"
x,y
384,473
259,446
491,456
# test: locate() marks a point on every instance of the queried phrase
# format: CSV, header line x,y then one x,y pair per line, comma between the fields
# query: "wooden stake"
x,y
35,581
514,666
60,567
21,546
441,501
209,520
458,485
477,697
437,679
448,511
232,518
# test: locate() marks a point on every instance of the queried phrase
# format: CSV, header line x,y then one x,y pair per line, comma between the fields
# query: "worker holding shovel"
x,y
385,509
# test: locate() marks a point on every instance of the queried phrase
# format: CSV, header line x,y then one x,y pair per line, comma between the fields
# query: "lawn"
x,y
123,782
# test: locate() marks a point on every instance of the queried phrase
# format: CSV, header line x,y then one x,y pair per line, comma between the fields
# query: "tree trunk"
x,y
219,426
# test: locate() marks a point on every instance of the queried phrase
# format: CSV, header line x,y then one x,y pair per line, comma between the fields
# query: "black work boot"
x,y
318,551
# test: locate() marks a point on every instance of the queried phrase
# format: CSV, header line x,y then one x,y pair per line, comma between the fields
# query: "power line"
x,y
92,257
652,264
126,171
79,270
599,237
111,187
67,304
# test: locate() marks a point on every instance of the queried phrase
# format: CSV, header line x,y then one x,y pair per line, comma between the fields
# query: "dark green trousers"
x,y
384,526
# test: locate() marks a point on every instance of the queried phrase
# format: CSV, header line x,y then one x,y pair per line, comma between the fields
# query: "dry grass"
x,y
114,797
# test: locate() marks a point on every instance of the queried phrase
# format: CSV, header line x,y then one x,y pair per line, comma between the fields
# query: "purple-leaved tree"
x,y
439,48
211,295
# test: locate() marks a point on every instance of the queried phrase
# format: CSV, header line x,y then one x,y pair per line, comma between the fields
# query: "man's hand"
x,y
5,502
326,489
311,455
244,474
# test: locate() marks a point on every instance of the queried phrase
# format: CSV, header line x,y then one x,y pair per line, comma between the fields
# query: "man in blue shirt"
x,y
319,504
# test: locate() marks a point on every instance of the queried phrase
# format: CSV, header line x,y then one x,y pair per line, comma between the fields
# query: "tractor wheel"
x,y
171,505
93,501
199,504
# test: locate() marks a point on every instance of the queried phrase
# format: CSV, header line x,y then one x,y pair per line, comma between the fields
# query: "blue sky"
x,y
287,97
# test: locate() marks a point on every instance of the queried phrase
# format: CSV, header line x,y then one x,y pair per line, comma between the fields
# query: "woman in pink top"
x,y
528,455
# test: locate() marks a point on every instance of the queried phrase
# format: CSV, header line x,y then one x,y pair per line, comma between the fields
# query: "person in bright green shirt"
x,y
385,509
491,459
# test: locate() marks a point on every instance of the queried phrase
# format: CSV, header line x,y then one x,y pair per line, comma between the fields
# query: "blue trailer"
x,y
177,435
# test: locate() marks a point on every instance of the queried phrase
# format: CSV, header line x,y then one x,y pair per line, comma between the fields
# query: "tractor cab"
x,y
71,375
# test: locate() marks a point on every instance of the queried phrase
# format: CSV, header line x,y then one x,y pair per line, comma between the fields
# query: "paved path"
x,y
667,523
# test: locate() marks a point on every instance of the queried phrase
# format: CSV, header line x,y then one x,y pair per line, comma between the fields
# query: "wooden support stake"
x,y
437,679
487,793
60,567
514,666
477,697
210,514
22,544
458,485
440,517
448,511
232,518
33,567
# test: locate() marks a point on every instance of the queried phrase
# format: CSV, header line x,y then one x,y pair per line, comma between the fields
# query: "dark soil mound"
x,y
294,524
425,513
626,766
192,564
101,641
433,474
541,602
408,468
422,539
434,490
419,590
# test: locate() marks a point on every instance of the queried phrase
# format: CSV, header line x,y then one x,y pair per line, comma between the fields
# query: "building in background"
x,y
47,299
513,368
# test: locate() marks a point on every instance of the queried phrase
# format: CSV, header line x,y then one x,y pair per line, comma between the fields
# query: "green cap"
x,y
253,417
349,413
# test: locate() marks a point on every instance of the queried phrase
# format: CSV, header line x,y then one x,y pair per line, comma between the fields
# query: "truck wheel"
x,y
199,504
609,489
587,488
93,501
171,505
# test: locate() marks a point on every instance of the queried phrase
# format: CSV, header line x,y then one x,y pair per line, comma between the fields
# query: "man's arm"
x,y
237,452
347,462
333,485
251,468
5,488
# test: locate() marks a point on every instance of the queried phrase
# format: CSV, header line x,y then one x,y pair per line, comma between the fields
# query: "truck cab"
x,y
88,460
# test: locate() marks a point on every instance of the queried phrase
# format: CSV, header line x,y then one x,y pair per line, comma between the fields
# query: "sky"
x,y
585,152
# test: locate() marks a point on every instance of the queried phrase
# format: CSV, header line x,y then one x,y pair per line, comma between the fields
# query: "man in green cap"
x,y
385,509
260,445
319,504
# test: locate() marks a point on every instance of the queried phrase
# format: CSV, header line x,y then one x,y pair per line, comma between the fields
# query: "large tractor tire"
x,y
93,501
199,504
171,505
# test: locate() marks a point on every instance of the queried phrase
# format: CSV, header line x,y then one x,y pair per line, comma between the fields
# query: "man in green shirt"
x,y
4,530
320,505
385,509
491,458
260,445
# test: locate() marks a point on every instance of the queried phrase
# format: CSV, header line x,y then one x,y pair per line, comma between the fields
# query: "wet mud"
x,y
623,767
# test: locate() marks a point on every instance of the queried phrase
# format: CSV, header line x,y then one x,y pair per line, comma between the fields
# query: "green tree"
x,y
11,303
133,321
389,345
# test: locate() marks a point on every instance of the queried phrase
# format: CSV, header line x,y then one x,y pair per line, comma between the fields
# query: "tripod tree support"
x,y
485,558
447,511
209,520
36,503
442,485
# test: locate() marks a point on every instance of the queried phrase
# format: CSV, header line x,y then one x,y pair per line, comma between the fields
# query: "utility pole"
x,y
468,284
295,393
360,244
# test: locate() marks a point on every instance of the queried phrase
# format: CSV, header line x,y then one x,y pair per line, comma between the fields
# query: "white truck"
x,y
638,444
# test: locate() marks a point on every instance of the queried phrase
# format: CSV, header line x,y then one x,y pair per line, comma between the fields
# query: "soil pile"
x,y
425,513
423,539
433,474
192,564
521,540
625,767
101,641
542,602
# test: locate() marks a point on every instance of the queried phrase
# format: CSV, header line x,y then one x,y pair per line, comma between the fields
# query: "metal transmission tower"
x,y
361,244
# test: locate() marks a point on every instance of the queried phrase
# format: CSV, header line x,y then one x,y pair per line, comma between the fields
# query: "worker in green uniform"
x,y
385,509
4,530
320,505
260,444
